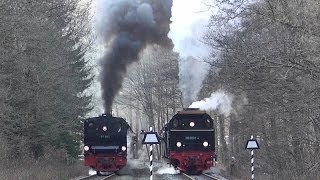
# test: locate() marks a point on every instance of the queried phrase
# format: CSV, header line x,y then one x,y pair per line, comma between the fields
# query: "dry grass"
x,y
41,171
53,165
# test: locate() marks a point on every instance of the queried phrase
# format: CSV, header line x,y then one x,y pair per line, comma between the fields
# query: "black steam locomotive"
x,y
190,141
105,143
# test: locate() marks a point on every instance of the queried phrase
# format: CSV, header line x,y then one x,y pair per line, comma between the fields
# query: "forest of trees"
x,y
43,78
269,53
266,54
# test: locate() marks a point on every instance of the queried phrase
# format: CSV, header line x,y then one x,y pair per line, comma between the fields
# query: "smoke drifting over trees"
x,y
186,31
126,27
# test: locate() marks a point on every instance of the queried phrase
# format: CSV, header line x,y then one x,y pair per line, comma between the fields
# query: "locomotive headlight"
x,y
123,148
179,144
205,144
86,148
192,124
104,128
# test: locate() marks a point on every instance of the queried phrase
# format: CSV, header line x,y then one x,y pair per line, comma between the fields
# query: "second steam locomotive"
x,y
189,141
105,143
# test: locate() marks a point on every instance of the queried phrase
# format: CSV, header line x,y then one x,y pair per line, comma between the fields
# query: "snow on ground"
x,y
92,172
137,163
167,170
159,167
214,170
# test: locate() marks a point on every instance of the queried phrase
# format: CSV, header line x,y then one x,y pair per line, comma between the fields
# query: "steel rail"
x,y
210,176
85,177
95,177
188,176
108,176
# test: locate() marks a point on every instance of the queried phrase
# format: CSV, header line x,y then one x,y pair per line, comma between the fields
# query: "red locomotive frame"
x,y
105,162
195,161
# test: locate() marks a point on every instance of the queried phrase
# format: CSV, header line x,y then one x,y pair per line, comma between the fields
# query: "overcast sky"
x,y
189,21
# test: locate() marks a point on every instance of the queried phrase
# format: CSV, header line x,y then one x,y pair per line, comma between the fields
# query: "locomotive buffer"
x,y
150,138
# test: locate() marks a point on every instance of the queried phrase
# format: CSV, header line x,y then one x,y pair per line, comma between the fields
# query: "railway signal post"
x,y
151,138
252,144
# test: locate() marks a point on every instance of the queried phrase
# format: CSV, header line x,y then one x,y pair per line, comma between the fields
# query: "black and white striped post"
x,y
252,144
252,160
150,157
150,138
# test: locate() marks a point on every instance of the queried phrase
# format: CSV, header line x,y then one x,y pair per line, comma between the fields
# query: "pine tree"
x,y
44,76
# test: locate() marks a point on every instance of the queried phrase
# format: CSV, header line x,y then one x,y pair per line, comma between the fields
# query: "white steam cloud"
x,y
189,25
217,101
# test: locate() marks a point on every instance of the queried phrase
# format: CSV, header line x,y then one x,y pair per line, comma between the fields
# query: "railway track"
x,y
212,176
94,177
203,176
181,176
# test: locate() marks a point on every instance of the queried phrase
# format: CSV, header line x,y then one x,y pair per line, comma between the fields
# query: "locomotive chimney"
x,y
191,109
109,114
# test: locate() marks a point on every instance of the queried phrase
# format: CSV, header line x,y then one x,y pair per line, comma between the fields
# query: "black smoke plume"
x,y
126,27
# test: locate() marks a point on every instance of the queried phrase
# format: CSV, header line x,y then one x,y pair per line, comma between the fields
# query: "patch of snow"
x,y
92,172
167,170
137,163
213,170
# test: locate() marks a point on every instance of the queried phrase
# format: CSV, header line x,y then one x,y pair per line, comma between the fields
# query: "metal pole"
x,y
252,160
150,158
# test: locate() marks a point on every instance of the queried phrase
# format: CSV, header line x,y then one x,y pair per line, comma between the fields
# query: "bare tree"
x,y
270,54
152,83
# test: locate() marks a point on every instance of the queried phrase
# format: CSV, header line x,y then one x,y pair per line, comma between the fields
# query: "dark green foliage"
x,y
43,77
